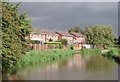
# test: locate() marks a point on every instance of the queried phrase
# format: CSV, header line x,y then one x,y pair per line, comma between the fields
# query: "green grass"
x,y
90,51
42,56
112,52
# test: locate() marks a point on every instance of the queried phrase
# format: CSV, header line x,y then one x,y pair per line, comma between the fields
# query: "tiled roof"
x,y
76,34
42,31
63,33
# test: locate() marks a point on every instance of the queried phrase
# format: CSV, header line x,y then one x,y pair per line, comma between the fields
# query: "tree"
x,y
14,29
116,41
119,40
97,34
76,29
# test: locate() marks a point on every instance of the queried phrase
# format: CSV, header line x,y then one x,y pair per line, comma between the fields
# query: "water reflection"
x,y
88,67
98,63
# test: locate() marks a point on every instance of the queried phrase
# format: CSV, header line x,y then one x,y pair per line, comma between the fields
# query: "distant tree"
x,y
99,34
76,29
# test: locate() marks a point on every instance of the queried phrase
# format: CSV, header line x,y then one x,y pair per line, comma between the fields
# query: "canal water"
x,y
78,67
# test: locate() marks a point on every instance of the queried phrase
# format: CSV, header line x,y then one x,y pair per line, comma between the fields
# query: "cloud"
x,y
63,15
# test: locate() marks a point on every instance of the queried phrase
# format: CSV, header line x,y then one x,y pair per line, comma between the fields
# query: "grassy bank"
x,y
90,51
35,56
114,53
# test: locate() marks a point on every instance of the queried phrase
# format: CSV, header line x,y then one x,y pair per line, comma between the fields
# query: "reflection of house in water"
x,y
76,62
52,67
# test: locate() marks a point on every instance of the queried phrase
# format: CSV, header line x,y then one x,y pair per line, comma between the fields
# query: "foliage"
x,y
76,29
85,51
34,41
112,52
99,34
52,42
64,41
119,40
14,28
115,41
44,56
60,46
71,47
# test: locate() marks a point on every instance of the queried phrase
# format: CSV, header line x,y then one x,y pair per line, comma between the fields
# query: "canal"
x,y
78,67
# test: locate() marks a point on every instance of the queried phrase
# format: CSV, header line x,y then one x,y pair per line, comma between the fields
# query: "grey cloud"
x,y
63,15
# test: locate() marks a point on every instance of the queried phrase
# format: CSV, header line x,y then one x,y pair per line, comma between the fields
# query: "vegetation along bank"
x,y
35,56
114,53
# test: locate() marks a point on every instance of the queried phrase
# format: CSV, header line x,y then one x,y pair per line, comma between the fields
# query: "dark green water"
x,y
89,67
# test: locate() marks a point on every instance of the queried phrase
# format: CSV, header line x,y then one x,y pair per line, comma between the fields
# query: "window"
x,y
55,35
32,34
80,37
48,35
38,34
41,35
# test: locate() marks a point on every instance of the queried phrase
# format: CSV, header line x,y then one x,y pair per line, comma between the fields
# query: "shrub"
x,y
60,46
71,47
52,42
64,41
109,53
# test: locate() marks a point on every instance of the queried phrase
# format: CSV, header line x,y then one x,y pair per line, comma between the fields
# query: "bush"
x,y
52,42
60,46
71,47
64,41
109,53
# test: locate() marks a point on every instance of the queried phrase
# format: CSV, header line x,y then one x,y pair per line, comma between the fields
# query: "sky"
x,y
61,16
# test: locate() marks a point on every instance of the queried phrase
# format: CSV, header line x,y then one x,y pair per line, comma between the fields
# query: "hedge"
x,y
52,42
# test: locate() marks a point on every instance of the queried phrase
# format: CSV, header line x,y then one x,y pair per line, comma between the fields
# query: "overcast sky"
x,y
63,15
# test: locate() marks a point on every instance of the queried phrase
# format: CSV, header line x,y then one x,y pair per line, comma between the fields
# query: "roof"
x,y
76,34
63,33
42,31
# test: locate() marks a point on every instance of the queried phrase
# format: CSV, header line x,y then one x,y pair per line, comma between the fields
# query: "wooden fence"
x,y
53,46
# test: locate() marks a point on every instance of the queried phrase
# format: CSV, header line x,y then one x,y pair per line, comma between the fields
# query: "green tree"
x,y
116,41
76,29
14,29
119,40
99,34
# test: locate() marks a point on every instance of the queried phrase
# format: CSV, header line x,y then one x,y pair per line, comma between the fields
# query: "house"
x,y
64,35
42,35
78,37
51,36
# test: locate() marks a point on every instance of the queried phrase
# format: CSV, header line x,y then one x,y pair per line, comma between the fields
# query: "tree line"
x,y
97,34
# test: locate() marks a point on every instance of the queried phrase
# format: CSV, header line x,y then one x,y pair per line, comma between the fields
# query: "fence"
x,y
44,46
53,46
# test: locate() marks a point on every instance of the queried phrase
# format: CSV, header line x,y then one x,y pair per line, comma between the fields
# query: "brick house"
x,y
42,35
65,35
78,37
